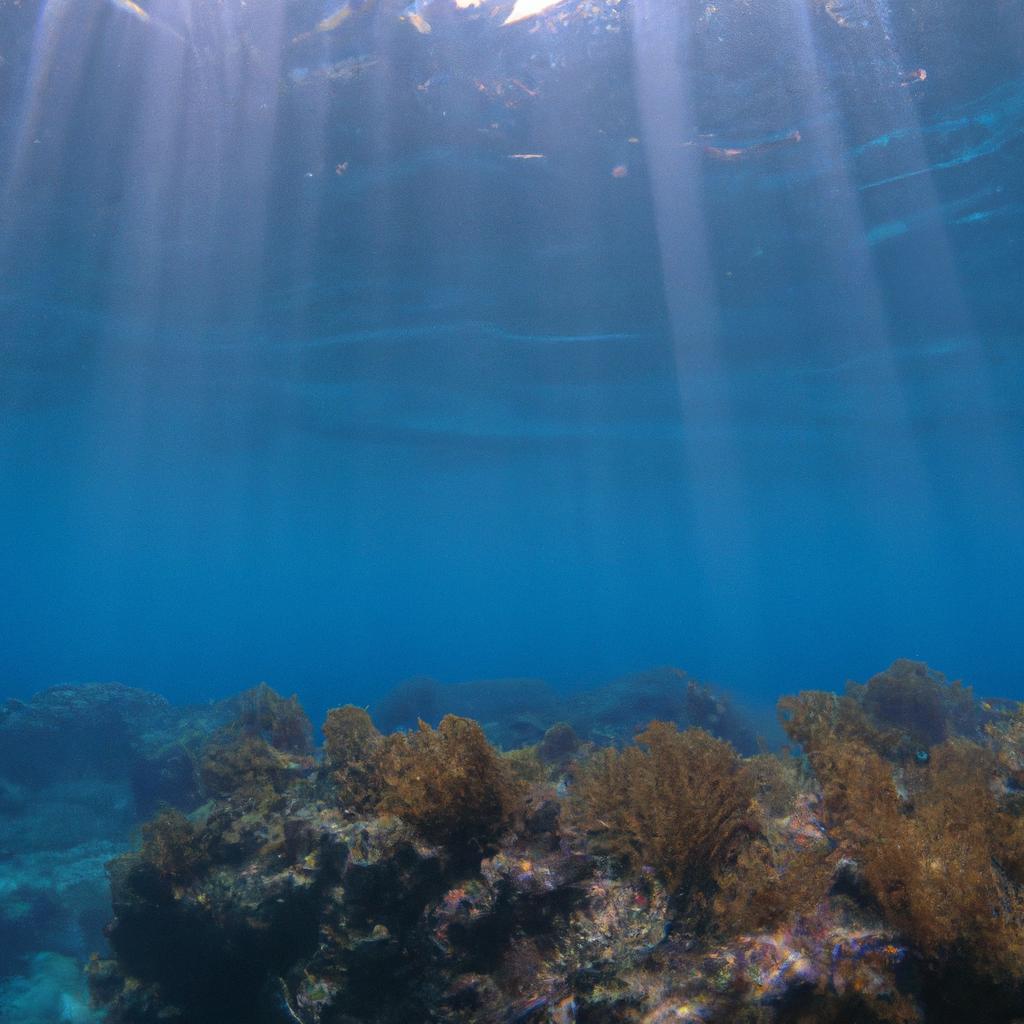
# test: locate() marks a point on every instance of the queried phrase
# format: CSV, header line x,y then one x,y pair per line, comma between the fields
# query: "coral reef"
x,y
516,713
872,874
80,767
106,731
96,727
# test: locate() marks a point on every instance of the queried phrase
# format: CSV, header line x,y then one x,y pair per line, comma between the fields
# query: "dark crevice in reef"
x,y
872,872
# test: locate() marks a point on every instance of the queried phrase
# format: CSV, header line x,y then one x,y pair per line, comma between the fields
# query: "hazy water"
x,y
305,376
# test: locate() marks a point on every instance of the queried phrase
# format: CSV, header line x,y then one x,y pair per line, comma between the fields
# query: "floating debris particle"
x,y
847,13
336,71
413,15
333,21
327,24
133,9
755,149
523,9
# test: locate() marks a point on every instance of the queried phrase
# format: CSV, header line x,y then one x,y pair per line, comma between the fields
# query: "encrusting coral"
x,y
679,803
448,782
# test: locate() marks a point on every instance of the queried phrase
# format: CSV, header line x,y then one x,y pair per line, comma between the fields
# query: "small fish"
x,y
526,156
912,77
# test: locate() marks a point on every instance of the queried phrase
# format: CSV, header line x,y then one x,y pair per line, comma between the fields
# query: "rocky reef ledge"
x,y
870,871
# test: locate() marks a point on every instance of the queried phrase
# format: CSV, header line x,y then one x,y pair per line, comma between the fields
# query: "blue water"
x,y
306,376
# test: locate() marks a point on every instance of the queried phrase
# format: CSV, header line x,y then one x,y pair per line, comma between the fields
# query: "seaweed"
x,y
174,846
449,783
248,768
814,719
929,851
265,714
525,766
558,745
919,703
899,713
352,745
778,781
680,803
770,884
254,755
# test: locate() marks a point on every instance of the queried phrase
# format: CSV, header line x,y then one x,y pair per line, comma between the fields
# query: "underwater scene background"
x,y
562,369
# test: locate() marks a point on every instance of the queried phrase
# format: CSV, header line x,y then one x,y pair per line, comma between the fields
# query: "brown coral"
x,y
678,802
449,783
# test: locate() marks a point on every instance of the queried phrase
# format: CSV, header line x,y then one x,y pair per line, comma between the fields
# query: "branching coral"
x,y
449,782
678,803
352,746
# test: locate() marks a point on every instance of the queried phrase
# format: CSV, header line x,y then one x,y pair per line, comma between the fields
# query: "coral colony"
x,y
872,871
